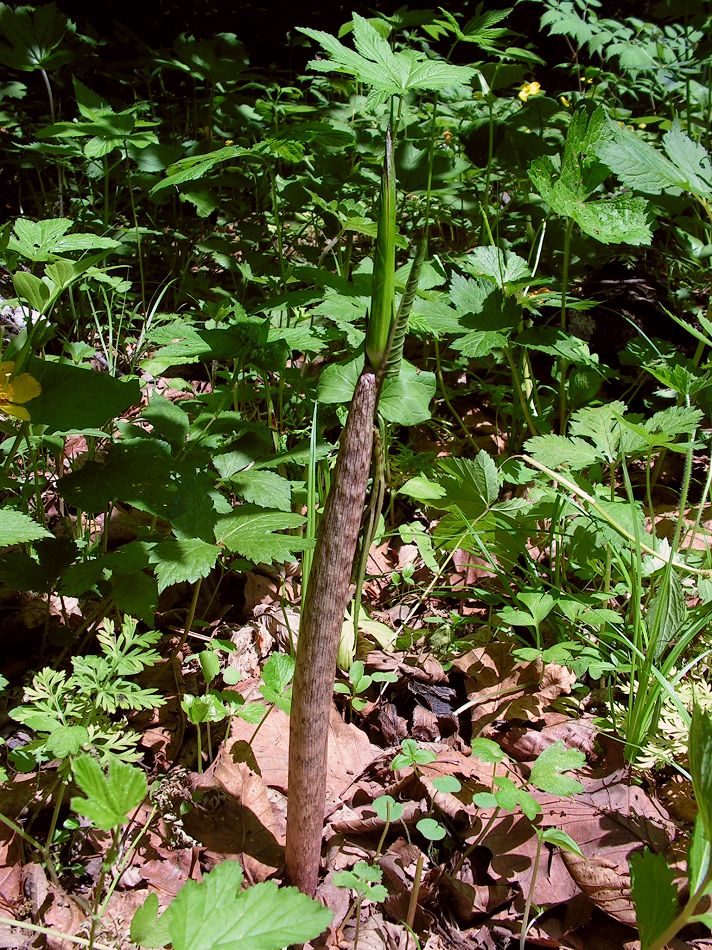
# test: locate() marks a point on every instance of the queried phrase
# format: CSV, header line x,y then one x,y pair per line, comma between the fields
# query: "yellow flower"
x,y
565,101
14,390
529,89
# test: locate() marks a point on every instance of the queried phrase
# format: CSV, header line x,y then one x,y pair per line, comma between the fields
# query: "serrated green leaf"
x,y
558,451
18,528
375,64
264,917
487,751
691,160
110,797
405,399
177,561
546,772
263,488
503,267
251,534
654,895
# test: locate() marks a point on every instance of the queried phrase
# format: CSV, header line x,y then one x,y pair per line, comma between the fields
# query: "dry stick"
x,y
319,631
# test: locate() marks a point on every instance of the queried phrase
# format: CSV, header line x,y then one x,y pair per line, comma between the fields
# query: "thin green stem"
x,y
530,893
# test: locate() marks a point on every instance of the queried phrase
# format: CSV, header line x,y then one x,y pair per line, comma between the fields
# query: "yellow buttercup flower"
x,y
14,390
529,89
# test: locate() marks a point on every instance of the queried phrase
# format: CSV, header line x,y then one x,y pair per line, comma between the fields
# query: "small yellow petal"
x,y
24,388
18,411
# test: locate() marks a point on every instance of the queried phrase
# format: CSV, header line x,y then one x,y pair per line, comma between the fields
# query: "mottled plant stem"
x,y
319,632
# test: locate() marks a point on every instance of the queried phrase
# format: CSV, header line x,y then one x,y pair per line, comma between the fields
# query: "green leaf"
x,y
251,534
338,381
561,840
558,451
375,64
654,895
431,829
17,528
387,808
209,664
266,489
700,756
40,241
405,400
215,915
74,398
64,741
365,879
487,751
31,289
503,267
699,856
690,159
546,772
447,783
178,561
110,797
147,928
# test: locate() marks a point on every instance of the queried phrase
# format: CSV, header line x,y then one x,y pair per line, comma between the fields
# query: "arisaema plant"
x,y
332,566
389,75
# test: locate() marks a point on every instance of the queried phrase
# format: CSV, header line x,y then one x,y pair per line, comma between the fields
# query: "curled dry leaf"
x,y
604,883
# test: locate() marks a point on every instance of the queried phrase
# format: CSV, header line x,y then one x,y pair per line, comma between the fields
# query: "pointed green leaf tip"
x,y
384,265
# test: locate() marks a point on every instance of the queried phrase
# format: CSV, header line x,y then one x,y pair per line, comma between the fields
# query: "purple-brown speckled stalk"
x,y
319,632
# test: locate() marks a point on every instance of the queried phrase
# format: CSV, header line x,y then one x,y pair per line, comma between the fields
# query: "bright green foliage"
x,y
277,675
412,756
359,682
430,829
620,220
685,166
654,895
217,915
365,879
253,534
487,751
387,808
509,797
547,771
376,65
72,712
177,561
700,755
110,797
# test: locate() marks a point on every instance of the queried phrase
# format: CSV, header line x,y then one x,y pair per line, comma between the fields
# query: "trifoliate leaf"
x,y
109,798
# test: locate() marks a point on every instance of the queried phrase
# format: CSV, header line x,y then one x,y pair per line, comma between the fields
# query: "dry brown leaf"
x,y
233,817
604,883
502,688
10,870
